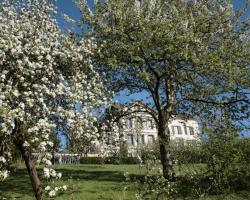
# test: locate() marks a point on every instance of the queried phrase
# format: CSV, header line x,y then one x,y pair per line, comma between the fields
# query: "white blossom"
x,y
2,159
26,144
65,187
3,175
46,172
34,54
48,162
59,175
52,193
47,188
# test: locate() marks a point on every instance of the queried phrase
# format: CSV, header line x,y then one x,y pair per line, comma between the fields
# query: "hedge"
x,y
108,160
90,160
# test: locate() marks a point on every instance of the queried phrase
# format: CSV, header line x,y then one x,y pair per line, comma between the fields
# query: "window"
x,y
130,139
150,124
185,129
142,140
130,123
176,130
150,139
144,125
140,124
190,130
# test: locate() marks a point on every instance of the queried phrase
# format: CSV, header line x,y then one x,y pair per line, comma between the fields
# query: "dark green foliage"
x,y
227,162
124,160
219,165
244,144
184,153
90,160
226,158
109,160
129,160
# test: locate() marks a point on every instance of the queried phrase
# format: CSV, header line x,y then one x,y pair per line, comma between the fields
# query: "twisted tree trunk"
x,y
36,185
30,166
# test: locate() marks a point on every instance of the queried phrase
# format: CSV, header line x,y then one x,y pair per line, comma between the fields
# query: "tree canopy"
x,y
191,57
185,54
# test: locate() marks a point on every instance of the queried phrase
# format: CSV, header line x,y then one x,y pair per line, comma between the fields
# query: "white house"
x,y
140,129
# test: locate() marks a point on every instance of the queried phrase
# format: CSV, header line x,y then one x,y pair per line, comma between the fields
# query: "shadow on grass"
x,y
18,184
113,176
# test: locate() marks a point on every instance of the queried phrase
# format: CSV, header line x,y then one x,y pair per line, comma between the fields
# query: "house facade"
x,y
140,129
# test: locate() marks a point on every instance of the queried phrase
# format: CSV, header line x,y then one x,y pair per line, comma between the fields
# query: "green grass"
x,y
90,182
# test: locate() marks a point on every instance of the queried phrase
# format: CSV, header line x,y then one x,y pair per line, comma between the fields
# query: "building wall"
x,y
138,125
180,129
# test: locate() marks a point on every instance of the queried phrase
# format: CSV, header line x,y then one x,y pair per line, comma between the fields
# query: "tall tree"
x,y
190,57
44,73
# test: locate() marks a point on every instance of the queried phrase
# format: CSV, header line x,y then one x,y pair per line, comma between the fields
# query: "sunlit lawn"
x,y
85,181
89,182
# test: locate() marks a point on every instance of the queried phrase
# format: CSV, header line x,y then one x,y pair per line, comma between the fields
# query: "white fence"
x,y
61,158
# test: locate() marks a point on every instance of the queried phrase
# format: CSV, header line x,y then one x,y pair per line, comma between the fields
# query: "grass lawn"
x,y
88,182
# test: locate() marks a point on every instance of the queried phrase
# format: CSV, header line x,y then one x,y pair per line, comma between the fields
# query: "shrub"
x,y
130,160
227,169
125,160
184,152
108,160
227,163
90,160
244,144
111,160
149,153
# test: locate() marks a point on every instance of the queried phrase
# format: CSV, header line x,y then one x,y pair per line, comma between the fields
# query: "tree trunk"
x,y
166,160
18,140
32,174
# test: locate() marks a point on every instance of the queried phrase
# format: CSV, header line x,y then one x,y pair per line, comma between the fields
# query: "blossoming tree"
x,y
44,74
